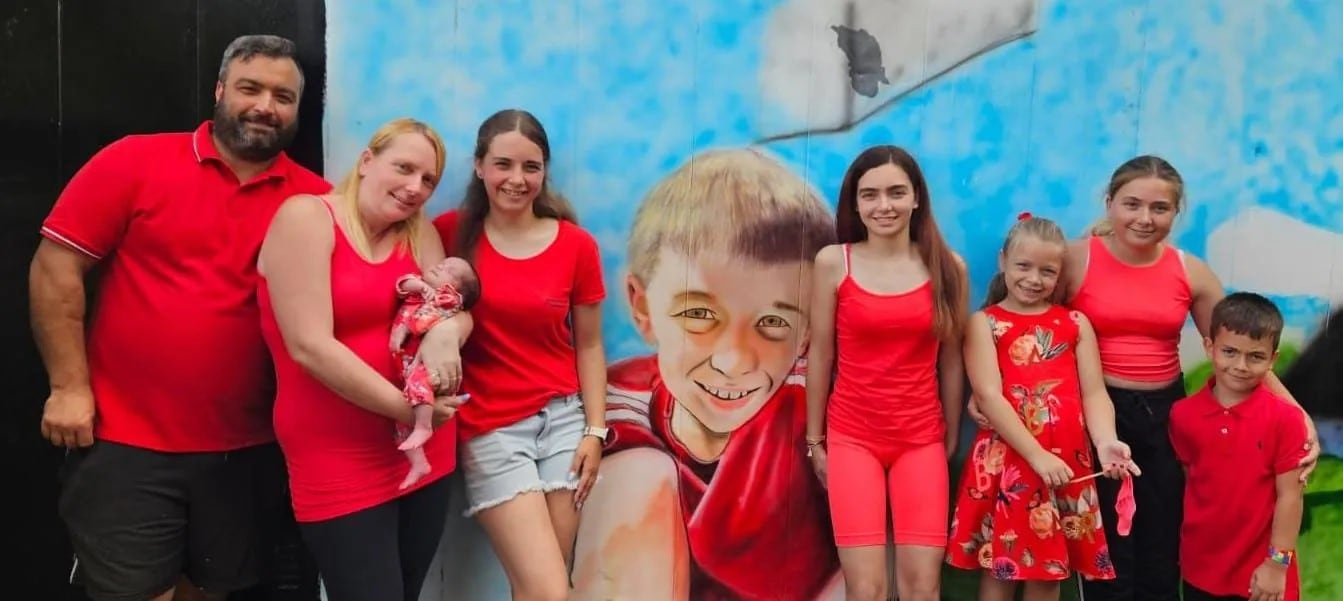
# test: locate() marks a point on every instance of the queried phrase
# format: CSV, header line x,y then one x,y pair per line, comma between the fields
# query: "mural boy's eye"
x,y
697,320
773,327
696,313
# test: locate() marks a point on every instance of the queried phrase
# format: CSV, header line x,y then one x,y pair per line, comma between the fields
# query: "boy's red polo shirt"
x,y
176,359
1233,457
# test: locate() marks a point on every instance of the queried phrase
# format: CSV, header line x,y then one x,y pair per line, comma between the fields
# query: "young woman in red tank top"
x,y
329,267
888,310
1138,290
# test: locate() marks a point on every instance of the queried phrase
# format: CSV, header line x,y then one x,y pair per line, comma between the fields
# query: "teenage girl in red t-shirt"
x,y
890,301
533,429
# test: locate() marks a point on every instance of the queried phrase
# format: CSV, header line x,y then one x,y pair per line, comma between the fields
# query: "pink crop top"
x,y
1137,312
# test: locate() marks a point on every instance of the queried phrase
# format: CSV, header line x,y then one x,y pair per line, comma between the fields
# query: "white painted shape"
x,y
1268,252
804,74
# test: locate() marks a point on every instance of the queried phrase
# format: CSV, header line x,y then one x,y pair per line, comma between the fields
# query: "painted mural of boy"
x,y
707,493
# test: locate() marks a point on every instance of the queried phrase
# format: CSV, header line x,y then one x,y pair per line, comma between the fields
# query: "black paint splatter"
x,y
864,54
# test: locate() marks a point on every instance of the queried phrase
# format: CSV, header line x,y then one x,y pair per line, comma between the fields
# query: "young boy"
x,y
1240,446
707,493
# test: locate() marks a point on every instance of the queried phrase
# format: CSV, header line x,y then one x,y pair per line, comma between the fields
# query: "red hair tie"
x,y
1024,215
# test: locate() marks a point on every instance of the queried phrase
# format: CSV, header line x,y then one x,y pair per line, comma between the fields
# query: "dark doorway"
x,y
76,75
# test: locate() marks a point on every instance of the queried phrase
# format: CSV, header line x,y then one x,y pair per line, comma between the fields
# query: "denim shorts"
x,y
532,455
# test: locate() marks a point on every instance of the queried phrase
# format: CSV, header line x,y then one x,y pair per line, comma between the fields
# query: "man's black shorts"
x,y
139,519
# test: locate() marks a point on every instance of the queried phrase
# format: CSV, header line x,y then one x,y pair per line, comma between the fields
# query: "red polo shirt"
x,y
176,359
1232,456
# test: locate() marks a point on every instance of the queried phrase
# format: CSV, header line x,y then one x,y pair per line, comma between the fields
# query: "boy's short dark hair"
x,y
1247,314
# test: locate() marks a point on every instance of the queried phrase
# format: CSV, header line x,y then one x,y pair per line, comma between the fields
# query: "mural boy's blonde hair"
x,y
735,201
406,233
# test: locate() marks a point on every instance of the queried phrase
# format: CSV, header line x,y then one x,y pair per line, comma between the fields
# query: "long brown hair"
x,y
476,203
949,290
1138,167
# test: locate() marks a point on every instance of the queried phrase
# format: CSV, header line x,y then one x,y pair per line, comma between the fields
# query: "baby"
x,y
447,288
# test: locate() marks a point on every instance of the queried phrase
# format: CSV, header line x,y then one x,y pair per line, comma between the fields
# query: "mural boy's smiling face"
x,y
727,330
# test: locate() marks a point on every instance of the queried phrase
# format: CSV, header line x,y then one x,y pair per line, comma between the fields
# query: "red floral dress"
x,y
1006,520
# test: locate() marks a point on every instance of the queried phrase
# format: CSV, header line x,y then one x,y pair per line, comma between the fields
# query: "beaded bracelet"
x,y
1282,557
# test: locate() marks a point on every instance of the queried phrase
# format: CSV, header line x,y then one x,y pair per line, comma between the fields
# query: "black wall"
x,y
74,76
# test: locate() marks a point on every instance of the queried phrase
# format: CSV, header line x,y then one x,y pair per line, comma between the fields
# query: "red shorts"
x,y
862,477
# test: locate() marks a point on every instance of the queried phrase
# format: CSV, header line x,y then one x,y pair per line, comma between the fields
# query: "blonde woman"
x,y
329,266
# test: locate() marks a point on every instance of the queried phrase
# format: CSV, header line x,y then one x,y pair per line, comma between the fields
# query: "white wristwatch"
x,y
600,433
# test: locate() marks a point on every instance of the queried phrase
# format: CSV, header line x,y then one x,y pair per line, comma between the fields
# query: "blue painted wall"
x,y
1242,97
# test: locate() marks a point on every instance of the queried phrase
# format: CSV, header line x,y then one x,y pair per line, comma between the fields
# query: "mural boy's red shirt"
x,y
756,520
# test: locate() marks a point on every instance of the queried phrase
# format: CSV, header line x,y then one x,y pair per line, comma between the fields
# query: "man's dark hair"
x,y
245,48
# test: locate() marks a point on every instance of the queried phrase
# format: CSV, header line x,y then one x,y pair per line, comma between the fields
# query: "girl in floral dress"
x,y
1027,509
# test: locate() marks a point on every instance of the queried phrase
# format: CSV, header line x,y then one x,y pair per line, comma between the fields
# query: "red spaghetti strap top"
x,y
1137,312
342,458
886,388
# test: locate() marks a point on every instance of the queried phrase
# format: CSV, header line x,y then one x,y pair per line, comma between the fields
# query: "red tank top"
x,y
1137,312
342,458
886,387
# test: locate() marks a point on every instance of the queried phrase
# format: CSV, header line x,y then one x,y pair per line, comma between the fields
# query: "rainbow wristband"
x,y
1280,557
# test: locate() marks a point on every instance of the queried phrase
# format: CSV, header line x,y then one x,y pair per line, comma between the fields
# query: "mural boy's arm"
x,y
631,539
829,269
1207,291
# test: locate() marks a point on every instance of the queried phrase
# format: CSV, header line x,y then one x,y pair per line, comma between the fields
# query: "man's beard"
x,y
252,145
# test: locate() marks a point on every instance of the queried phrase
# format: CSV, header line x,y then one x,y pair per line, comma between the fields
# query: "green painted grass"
x,y
1321,542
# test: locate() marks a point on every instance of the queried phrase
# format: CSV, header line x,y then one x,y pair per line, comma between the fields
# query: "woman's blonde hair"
x,y
347,191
